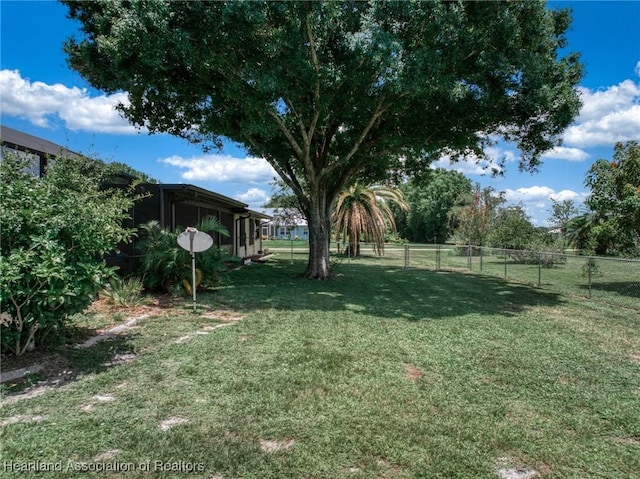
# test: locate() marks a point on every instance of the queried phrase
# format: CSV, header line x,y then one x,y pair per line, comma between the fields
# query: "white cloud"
x,y
254,197
472,165
607,116
569,154
44,104
637,69
528,195
569,195
535,194
536,200
223,168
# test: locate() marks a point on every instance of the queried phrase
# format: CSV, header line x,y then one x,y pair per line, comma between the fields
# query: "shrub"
x,y
55,232
125,292
542,248
165,265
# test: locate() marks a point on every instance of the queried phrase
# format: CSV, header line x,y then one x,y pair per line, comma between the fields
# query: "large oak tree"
x,y
331,93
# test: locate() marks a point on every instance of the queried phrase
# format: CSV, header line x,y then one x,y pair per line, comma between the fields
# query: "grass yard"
x,y
380,373
614,281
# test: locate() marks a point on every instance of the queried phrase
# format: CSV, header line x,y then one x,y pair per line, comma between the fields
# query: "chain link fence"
x,y
614,281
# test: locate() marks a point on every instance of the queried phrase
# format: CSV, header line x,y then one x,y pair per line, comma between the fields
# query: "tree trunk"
x,y
319,220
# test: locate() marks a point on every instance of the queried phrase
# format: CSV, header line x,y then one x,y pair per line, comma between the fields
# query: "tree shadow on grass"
x,y
103,355
64,366
619,288
382,291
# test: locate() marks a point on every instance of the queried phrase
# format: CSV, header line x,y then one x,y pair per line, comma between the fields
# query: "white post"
x,y
194,241
192,234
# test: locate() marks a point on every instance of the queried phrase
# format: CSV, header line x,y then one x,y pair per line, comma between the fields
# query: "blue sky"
x,y
41,96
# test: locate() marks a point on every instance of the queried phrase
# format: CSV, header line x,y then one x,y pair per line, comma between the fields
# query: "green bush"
x,y
126,292
55,232
166,266
542,248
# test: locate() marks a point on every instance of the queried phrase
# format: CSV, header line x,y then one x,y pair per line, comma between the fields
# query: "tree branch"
x,y
316,88
303,130
380,109
287,133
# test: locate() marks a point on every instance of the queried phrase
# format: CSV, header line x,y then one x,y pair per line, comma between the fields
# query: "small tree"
x,y
512,229
55,232
475,214
561,213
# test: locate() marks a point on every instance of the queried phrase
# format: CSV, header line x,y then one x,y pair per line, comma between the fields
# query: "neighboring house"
x,y
38,151
285,224
173,205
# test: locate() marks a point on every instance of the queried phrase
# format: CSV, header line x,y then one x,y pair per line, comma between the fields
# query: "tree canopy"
x,y
431,198
334,93
475,214
615,201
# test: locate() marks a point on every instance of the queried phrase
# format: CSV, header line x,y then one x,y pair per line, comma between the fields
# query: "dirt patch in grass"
x,y
106,455
629,441
512,467
119,359
20,418
511,473
173,422
412,372
203,332
104,397
394,469
271,446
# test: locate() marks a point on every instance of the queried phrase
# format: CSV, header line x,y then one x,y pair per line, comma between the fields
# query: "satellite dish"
x,y
195,241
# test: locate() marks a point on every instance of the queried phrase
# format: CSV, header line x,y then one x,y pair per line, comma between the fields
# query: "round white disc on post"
x,y
195,241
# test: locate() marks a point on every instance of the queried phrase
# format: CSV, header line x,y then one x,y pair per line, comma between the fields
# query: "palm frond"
x,y
364,212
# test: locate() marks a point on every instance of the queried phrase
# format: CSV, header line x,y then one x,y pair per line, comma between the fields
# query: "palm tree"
x,y
579,230
364,212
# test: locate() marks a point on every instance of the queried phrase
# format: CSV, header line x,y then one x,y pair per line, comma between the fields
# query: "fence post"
x,y
438,258
406,256
504,252
539,269
590,265
469,258
481,253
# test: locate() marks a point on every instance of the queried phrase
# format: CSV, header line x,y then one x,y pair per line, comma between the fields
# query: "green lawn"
x,y
614,281
382,372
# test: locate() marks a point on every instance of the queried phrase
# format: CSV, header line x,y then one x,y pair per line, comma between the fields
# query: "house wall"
x,y
172,206
248,236
36,163
289,232
173,212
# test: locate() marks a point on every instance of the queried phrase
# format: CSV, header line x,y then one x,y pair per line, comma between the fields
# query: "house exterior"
x,y
38,151
183,205
285,224
172,205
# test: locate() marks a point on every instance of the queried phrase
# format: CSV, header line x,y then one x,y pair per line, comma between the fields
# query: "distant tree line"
x,y
444,206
